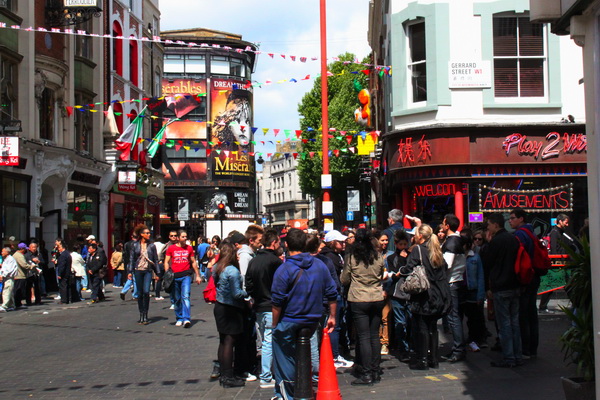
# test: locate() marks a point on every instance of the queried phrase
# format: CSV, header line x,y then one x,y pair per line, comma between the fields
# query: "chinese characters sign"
x,y
9,151
493,199
410,153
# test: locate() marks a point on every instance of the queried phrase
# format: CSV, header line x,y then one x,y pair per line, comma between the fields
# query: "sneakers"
x,y
2,309
473,347
172,307
178,323
267,384
187,324
159,298
122,296
57,297
341,362
248,377
546,311
384,350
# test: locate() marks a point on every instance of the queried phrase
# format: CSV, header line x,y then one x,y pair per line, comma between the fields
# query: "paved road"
x,y
99,351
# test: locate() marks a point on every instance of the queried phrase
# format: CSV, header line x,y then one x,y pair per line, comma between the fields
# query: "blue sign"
x,y
349,215
365,218
264,221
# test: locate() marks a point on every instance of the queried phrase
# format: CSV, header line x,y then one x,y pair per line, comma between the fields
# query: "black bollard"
x,y
303,387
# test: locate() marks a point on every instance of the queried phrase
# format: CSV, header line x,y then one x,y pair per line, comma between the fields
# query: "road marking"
x,y
451,377
433,378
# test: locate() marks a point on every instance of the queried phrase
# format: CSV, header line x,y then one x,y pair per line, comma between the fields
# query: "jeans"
x,y
334,336
143,278
85,281
506,305
181,293
265,322
128,285
401,324
117,278
284,355
79,286
457,293
528,318
367,318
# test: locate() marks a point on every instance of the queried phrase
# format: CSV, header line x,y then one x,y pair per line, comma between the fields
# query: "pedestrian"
x,y
180,258
78,269
143,259
229,314
160,250
299,286
117,265
456,259
96,267
20,280
259,279
63,271
399,299
560,240
395,217
501,280
363,273
35,259
386,313
428,306
7,276
203,256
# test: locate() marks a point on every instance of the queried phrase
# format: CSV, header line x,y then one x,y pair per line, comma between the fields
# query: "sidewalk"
x,y
99,351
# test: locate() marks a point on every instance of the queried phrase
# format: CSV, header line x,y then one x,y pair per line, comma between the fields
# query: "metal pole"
x,y
303,385
324,98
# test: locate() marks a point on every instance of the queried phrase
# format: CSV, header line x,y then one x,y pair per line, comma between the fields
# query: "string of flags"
x,y
157,39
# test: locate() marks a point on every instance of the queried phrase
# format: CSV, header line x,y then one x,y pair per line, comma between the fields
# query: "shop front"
x,y
471,171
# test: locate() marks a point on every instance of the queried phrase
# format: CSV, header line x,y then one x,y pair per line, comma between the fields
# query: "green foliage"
x,y
578,340
343,100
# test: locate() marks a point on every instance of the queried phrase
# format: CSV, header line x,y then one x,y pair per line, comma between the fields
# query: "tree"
x,y
342,99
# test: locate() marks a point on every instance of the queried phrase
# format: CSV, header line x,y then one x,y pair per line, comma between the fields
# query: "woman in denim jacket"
x,y
229,311
475,296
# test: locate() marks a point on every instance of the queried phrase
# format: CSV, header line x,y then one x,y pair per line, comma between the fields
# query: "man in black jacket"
x,y
63,272
95,265
259,279
501,280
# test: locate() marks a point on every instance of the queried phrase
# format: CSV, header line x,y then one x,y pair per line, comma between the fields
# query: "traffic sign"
x,y
365,218
349,215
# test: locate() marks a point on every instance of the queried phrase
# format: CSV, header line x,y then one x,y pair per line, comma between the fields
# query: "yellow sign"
x,y
366,146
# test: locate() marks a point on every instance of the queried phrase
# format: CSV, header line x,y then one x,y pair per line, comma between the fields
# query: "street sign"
x,y
349,215
353,201
183,210
365,218
264,220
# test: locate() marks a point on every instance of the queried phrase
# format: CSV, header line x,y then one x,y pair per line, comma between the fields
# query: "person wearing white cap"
x,y
335,244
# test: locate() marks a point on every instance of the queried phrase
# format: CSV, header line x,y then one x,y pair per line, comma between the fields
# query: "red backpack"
x,y
541,259
523,268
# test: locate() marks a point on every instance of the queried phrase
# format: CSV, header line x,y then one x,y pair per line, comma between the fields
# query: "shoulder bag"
x,y
416,282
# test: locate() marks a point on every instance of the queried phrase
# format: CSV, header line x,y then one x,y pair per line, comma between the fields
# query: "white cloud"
x,y
278,27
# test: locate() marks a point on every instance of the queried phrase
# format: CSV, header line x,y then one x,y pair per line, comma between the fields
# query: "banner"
x,y
181,97
185,171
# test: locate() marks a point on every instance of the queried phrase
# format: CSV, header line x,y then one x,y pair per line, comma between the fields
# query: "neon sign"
x,y
441,189
493,199
571,144
406,152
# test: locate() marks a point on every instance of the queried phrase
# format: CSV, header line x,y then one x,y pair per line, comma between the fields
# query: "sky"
x,y
282,27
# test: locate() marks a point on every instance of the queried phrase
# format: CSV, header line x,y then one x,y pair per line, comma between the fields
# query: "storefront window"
x,y
14,211
82,213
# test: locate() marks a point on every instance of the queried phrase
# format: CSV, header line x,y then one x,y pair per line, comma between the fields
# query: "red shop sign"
x,y
555,145
493,199
441,189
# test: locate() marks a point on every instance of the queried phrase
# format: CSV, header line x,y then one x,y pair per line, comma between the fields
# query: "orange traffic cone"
x,y
328,384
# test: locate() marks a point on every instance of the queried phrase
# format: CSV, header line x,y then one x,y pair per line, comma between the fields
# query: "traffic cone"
x,y
328,384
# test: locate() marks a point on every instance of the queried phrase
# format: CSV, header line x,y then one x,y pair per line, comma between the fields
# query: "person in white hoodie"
x,y
7,273
78,267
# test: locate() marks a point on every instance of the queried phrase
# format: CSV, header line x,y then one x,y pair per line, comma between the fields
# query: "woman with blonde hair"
x,y
429,306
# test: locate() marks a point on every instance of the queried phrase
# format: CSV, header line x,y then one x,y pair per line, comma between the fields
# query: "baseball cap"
x,y
237,238
91,237
22,245
334,235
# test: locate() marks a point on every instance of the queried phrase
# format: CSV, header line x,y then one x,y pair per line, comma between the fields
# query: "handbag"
x,y
416,282
167,281
210,291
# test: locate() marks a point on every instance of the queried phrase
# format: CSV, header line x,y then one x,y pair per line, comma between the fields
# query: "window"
x,y
133,63
83,125
519,57
219,65
47,114
117,49
237,68
185,64
195,64
8,88
9,4
83,44
174,64
417,66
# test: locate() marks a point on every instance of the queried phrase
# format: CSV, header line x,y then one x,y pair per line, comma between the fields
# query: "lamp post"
x,y
324,99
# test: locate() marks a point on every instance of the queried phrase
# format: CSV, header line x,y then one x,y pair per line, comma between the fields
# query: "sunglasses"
x,y
172,235
478,239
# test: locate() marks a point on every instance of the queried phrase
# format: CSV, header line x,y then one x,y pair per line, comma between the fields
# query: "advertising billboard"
x,y
231,115
182,98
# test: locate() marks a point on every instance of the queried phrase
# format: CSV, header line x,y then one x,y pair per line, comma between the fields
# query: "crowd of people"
x,y
272,289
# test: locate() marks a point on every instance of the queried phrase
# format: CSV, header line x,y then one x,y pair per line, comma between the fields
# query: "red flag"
x,y
69,110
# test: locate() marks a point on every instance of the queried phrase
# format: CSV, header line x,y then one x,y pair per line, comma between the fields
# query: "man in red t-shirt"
x,y
180,258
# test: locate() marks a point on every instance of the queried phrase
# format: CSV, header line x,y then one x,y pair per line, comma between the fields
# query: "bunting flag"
x,y
159,139
129,138
110,123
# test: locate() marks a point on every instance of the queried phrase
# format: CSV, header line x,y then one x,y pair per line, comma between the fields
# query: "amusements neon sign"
x,y
493,199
